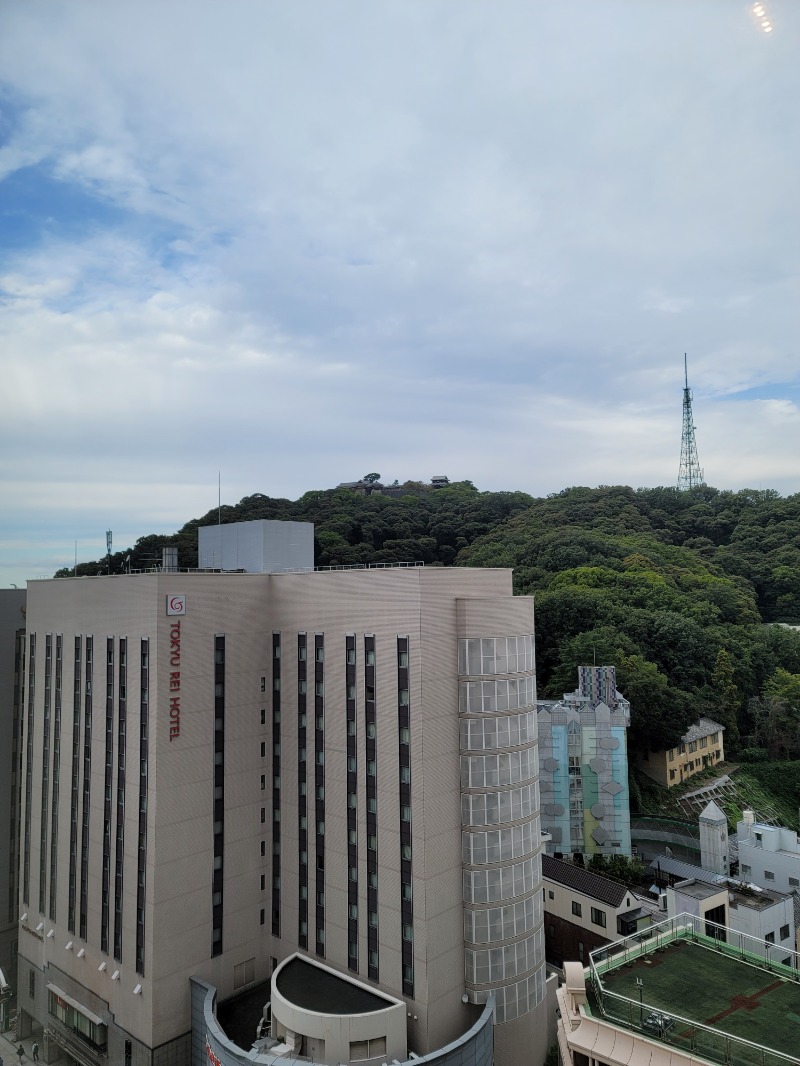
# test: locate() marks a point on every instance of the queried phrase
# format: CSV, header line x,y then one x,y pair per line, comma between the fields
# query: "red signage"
x,y
212,1058
174,679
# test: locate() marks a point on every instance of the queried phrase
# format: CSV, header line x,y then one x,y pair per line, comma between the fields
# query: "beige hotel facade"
x,y
220,771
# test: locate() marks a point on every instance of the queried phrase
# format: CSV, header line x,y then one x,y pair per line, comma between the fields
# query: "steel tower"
x,y
690,475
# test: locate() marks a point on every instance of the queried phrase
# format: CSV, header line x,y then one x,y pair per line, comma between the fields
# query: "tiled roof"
x,y
580,880
703,727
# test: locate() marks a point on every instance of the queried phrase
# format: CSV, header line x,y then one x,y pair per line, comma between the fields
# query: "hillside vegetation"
x,y
672,587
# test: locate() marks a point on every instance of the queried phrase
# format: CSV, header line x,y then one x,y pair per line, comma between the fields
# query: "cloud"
x,y
292,241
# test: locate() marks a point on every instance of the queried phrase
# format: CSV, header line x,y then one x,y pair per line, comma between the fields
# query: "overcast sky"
x,y
299,241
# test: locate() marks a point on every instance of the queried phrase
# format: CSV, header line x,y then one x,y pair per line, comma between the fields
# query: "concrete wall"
x,y
258,547
12,619
474,1047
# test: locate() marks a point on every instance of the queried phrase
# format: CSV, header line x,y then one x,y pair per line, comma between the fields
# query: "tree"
x,y
371,478
727,699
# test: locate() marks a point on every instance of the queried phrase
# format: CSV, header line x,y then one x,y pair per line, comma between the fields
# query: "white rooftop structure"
x,y
258,547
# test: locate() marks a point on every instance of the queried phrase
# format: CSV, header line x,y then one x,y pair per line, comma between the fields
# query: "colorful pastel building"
x,y
583,766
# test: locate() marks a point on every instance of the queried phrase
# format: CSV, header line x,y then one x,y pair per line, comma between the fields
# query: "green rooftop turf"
x,y
703,985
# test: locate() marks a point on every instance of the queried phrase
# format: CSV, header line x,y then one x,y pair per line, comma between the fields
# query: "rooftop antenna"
x,y
690,475
108,548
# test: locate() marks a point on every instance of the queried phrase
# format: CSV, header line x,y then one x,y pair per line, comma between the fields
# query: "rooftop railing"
x,y
687,1034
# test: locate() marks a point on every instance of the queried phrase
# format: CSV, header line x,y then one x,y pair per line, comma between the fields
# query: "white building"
x,y
223,770
769,855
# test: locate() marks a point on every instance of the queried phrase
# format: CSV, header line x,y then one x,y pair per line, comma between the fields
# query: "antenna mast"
x,y
690,475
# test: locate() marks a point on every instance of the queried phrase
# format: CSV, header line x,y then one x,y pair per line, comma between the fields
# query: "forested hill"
x,y
671,586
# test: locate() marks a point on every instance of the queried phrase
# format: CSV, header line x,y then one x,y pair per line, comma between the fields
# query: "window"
x,y
745,870
551,894
769,875
263,684
32,984
770,938
577,910
367,1049
261,916
353,873
244,973
794,882
599,917
263,748
263,814
784,932
703,742
319,688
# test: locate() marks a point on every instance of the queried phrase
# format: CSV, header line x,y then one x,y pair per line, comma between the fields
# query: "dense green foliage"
x,y
672,587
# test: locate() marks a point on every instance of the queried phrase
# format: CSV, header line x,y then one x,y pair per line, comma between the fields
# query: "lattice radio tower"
x,y
690,473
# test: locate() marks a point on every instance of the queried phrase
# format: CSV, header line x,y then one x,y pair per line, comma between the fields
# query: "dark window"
x,y
576,909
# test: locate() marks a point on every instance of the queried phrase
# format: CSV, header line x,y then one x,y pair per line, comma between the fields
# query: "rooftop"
x,y
318,989
741,893
717,1000
580,880
703,727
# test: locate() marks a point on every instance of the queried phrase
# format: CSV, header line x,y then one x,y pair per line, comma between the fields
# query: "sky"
x,y
287,244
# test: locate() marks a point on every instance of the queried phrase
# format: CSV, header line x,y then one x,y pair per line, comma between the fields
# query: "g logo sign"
x,y
176,605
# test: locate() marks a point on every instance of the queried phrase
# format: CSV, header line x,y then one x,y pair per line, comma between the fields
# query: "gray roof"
x,y
712,813
703,727
677,868
580,880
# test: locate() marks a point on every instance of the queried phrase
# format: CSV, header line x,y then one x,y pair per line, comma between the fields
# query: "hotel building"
x,y
223,773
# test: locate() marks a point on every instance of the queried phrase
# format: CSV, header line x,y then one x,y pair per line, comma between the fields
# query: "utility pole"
x,y
690,475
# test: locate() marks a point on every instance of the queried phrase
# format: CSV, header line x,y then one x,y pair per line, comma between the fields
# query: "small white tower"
x,y
714,840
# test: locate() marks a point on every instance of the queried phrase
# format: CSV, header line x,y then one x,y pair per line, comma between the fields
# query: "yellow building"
x,y
701,747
